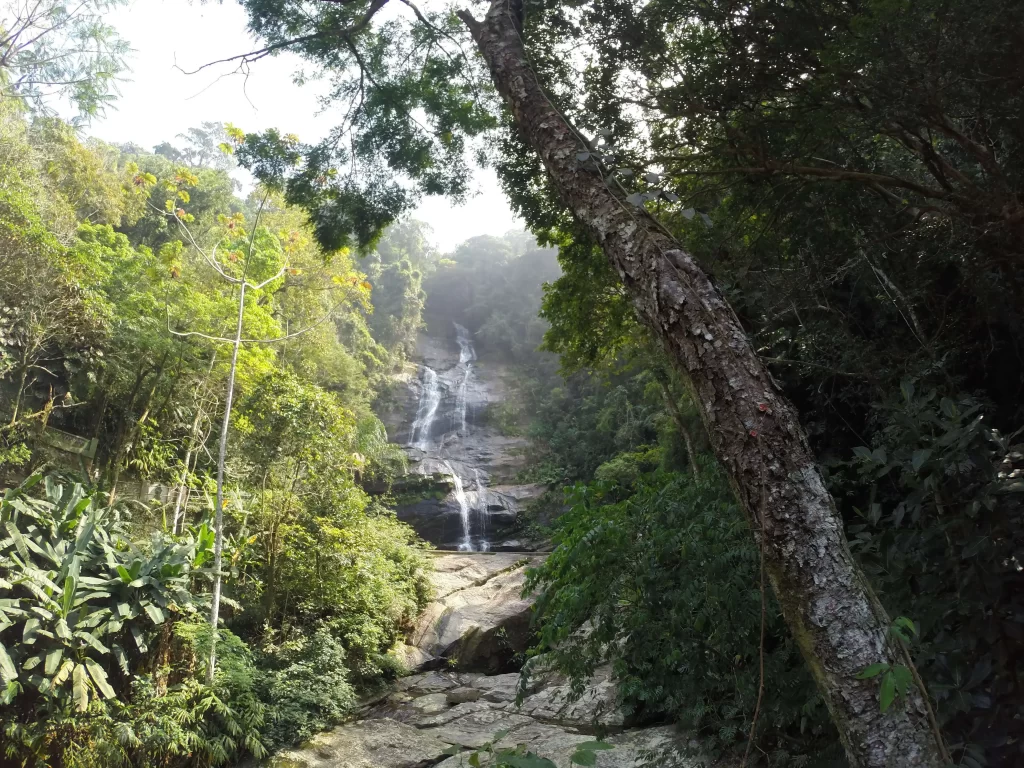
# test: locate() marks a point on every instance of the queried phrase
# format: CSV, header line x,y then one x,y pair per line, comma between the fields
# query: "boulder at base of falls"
x,y
480,621
411,658
367,744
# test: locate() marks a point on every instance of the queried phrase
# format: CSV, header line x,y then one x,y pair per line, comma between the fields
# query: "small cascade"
x,y
468,510
467,354
482,509
460,400
463,500
430,398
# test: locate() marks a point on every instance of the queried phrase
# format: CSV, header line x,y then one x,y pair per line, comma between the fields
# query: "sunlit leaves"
x,y
52,50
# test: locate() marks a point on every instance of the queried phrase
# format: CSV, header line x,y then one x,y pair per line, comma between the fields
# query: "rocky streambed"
x,y
464,651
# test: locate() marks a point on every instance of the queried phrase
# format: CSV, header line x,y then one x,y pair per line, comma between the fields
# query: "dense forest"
x,y
766,341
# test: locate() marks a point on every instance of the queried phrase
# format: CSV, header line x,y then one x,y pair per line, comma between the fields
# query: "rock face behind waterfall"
x,y
460,493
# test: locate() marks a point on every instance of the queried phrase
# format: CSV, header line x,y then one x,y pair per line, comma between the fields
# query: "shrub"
x,y
662,581
83,602
189,725
88,611
939,528
308,691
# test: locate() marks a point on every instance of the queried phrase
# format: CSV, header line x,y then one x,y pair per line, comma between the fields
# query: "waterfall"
x,y
467,354
482,509
470,494
430,398
463,500
465,340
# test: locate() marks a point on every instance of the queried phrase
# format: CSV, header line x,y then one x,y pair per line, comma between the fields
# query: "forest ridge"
x,y
772,386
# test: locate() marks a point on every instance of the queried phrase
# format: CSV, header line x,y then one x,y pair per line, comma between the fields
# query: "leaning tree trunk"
x,y
754,431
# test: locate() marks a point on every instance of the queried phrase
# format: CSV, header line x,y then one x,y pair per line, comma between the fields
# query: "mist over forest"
x,y
718,462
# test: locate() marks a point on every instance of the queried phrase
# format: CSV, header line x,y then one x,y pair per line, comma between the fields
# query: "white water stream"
x,y
472,505
467,354
430,398
463,500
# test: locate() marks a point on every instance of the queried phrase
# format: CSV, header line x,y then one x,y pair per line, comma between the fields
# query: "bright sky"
x,y
160,102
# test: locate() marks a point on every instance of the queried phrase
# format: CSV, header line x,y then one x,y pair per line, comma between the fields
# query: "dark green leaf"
x,y
7,669
919,458
872,671
887,692
907,389
904,677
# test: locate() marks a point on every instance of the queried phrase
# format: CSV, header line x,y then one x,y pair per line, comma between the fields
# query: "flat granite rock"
x,y
455,572
448,715
462,695
430,682
597,706
498,688
559,744
477,728
431,704
550,741
367,744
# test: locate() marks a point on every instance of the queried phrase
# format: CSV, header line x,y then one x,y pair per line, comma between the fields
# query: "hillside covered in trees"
x,y
765,349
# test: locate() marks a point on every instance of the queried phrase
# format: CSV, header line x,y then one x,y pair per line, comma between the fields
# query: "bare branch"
x,y
253,56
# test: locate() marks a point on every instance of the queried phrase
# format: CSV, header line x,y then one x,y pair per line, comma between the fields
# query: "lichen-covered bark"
x,y
755,432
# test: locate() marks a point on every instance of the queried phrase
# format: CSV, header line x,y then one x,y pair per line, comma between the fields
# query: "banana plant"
x,y
76,589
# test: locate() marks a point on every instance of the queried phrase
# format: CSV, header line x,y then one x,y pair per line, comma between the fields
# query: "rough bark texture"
x,y
755,432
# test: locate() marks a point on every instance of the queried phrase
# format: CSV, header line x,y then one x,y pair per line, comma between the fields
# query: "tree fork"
x,y
755,432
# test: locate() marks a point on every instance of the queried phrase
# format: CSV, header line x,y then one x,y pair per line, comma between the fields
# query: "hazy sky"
x,y
160,102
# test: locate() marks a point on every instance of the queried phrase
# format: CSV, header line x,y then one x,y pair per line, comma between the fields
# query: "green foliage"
x,y
939,504
87,611
856,234
395,270
51,50
627,468
660,577
415,105
82,598
101,656
187,725
305,683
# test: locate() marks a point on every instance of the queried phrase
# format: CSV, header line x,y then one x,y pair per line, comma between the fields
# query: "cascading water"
x,y
430,398
482,508
463,501
467,354
470,494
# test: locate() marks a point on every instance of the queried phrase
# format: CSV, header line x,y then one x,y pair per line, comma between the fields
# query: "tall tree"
x,y
755,432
